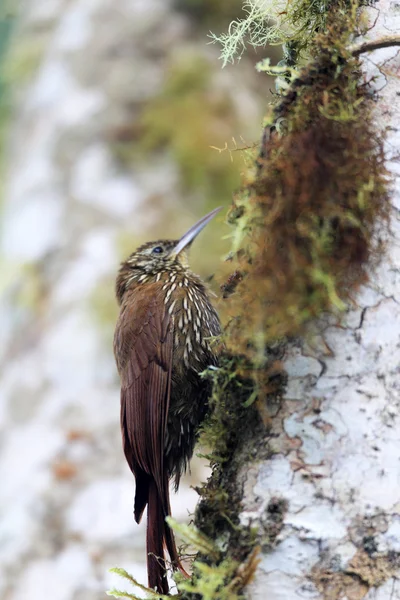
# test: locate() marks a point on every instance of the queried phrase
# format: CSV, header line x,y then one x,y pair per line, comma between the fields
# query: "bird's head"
x,y
155,258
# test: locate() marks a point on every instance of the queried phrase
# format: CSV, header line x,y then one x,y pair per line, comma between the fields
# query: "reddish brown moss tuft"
x,y
313,210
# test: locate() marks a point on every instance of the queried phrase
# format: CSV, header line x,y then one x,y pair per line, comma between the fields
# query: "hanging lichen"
x,y
293,23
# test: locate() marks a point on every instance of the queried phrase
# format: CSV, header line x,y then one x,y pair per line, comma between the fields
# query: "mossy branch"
x,y
306,236
312,212
370,46
191,535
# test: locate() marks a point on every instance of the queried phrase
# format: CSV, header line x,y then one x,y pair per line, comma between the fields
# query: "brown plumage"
x,y
161,345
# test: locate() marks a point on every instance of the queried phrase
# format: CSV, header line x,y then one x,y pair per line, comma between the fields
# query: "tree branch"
x,y
385,42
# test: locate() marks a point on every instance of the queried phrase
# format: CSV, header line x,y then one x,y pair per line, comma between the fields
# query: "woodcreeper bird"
x,y
161,345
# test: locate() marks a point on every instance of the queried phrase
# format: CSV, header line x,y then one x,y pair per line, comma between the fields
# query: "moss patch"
x,y
312,213
237,434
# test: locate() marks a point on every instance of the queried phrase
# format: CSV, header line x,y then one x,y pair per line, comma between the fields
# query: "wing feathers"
x,y
144,345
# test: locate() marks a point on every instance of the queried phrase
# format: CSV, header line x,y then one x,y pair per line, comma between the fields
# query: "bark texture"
x,y
334,477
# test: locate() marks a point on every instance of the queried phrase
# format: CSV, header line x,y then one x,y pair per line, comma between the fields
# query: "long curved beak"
x,y
193,232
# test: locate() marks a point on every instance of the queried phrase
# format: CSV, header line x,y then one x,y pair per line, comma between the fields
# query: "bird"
x,y
162,344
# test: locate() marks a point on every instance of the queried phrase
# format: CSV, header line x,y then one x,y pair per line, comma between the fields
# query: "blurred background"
x,y
111,116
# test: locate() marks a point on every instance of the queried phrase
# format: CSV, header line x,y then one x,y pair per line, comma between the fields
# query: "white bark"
x,y
337,434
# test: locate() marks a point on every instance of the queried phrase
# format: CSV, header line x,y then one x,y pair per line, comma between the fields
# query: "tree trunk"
x,y
319,487
334,477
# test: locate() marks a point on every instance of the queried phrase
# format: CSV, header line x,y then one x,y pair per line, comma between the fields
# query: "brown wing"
x,y
143,348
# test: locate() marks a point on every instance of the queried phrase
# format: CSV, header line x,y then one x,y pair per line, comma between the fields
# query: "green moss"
x,y
229,416
222,581
149,594
237,433
210,582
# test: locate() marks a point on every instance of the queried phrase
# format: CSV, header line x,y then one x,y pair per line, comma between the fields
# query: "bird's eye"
x,y
158,250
